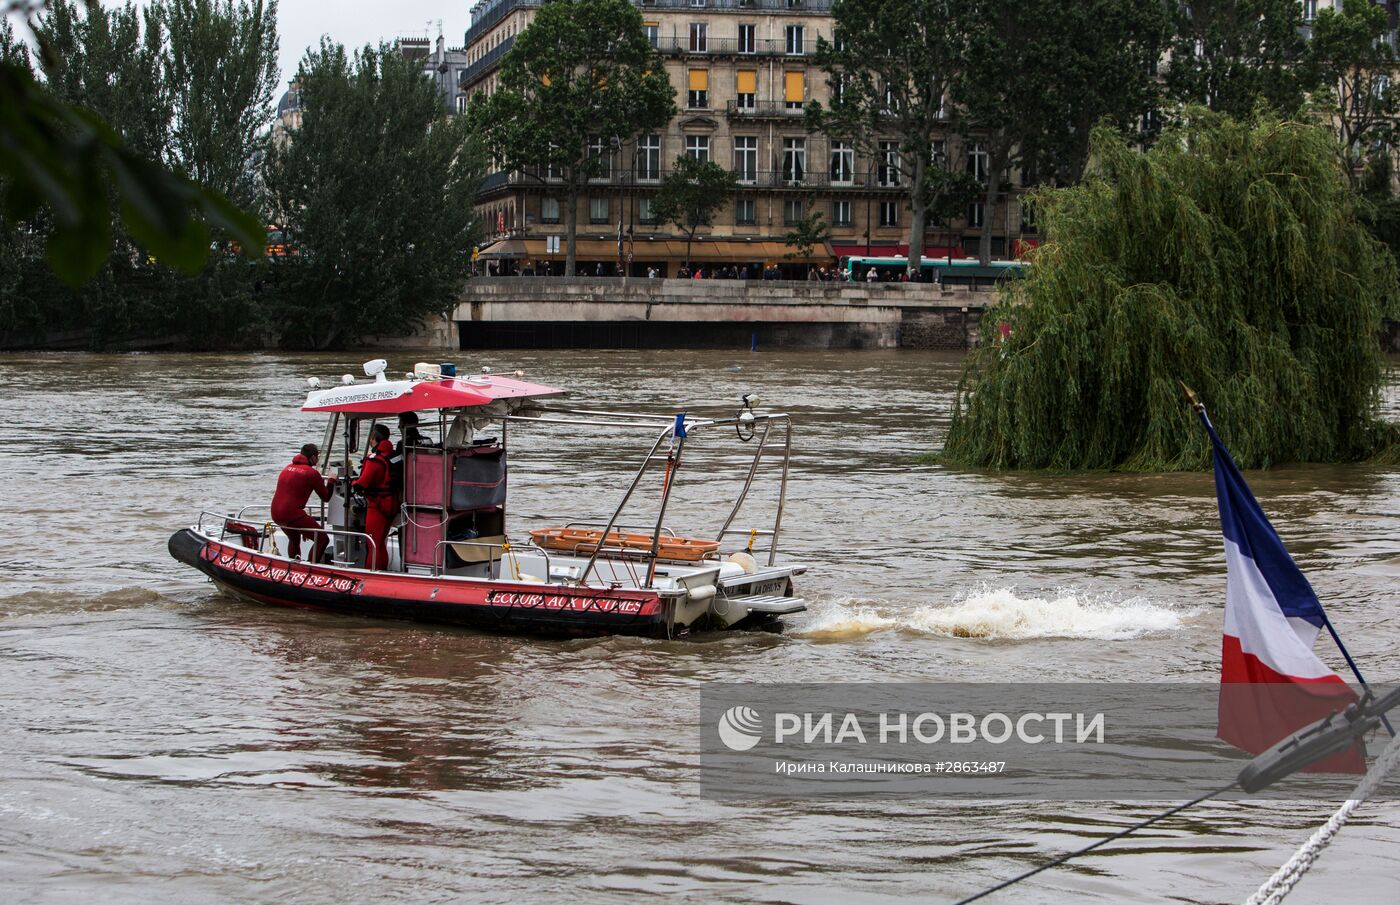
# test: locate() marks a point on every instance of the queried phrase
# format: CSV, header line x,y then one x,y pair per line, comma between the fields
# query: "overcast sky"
x,y
354,23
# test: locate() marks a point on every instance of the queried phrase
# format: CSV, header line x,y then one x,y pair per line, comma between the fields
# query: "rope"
x,y
1287,876
1089,848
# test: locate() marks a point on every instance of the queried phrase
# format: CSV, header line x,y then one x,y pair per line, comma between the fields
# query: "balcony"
x,y
763,110
730,47
627,178
482,67
771,6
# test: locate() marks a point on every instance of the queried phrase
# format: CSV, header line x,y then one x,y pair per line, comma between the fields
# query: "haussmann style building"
x,y
744,71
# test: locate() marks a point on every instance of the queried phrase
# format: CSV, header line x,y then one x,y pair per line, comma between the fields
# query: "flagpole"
x,y
1327,623
1352,663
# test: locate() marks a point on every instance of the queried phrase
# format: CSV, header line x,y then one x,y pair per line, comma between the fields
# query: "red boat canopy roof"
x,y
392,397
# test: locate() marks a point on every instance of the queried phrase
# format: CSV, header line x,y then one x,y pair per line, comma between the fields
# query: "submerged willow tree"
x,y
1229,258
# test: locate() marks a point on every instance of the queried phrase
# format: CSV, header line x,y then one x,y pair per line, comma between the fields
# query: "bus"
x,y
957,272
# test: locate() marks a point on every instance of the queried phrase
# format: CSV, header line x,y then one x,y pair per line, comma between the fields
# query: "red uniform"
x,y
295,485
379,497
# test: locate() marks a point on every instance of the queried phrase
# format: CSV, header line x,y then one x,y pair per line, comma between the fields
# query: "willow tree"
x,y
1228,257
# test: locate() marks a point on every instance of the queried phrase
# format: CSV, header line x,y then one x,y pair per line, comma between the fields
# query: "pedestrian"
x,y
871,276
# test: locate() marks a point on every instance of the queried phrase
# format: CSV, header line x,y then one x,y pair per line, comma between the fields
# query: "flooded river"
x,y
162,743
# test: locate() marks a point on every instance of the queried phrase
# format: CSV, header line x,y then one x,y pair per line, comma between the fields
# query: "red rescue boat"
x,y
450,556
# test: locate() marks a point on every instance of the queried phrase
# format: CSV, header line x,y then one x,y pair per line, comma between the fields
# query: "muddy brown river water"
x,y
163,743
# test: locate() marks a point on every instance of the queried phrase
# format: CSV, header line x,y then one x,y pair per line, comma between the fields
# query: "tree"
x,y
66,171
1070,66
1351,65
578,81
1230,55
382,228
809,232
1229,257
691,194
890,67
220,69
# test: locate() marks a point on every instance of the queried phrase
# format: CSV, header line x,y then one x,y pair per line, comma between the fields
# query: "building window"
x,y
697,147
461,103
744,212
645,215
649,157
699,96
793,211
794,159
746,43
597,210
549,210
974,215
698,37
889,213
1027,217
888,164
840,213
938,153
793,40
977,163
745,88
746,157
1309,10
843,163
653,32
794,89
600,150
838,89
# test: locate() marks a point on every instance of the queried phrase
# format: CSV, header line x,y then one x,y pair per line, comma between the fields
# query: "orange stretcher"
x,y
586,540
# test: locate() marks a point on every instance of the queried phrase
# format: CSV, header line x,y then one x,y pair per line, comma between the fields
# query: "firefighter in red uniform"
x,y
295,485
380,503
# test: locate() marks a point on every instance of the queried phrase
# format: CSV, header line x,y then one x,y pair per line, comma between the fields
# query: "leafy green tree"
x,y
219,66
890,67
1230,257
66,171
691,194
1230,55
1041,74
581,73
375,190
1352,65
807,235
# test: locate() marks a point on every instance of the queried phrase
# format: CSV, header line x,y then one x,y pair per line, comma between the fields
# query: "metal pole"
x,y
1352,663
673,464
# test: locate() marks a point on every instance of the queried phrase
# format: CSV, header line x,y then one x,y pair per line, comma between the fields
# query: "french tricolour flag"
x,y
1272,684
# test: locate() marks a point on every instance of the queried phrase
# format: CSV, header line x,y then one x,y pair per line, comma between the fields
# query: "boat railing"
x,y
265,527
505,549
747,425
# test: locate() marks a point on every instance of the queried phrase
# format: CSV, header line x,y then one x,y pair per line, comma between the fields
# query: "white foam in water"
x,y
1002,614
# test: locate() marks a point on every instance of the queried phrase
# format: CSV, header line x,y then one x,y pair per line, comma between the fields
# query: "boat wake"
x,y
1000,614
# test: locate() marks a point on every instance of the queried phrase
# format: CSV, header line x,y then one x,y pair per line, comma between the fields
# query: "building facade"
x,y
744,72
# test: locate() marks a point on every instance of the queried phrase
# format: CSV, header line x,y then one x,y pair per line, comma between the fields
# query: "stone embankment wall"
x,y
553,311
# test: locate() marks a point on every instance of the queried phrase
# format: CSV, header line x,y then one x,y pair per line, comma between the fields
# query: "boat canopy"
x,y
392,397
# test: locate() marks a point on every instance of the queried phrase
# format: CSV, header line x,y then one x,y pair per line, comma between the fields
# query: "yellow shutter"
x,y
793,88
747,82
699,80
